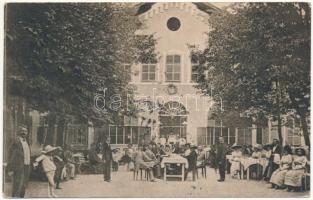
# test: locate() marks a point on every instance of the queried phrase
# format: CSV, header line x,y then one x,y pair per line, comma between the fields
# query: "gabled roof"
x,y
203,6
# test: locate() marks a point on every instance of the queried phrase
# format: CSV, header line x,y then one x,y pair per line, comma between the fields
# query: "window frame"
x,y
173,72
148,72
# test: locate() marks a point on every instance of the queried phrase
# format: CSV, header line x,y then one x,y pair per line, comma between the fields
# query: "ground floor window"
x,y
245,136
77,135
293,136
123,134
173,125
210,135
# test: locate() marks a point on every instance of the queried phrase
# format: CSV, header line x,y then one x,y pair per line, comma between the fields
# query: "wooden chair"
x,y
136,173
202,166
306,178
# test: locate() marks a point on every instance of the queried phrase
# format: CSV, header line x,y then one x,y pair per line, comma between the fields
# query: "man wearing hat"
x,y
221,150
107,159
19,163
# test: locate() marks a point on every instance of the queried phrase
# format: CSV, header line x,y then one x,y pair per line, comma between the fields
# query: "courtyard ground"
x,y
123,185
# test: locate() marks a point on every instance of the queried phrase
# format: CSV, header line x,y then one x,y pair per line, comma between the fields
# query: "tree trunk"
x,y
50,139
278,97
279,128
305,131
60,131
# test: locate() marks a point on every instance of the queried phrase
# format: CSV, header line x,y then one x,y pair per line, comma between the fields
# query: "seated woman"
x,y
128,157
293,178
256,169
278,176
257,153
235,160
116,157
168,150
142,161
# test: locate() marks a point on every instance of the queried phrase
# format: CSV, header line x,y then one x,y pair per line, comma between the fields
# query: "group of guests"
x,y
285,169
290,171
149,157
53,161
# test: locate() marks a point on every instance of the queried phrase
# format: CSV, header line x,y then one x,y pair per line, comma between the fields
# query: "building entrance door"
x,y
173,126
173,120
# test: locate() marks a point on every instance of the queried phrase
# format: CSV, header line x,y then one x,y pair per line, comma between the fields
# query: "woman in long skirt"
x,y
278,176
235,160
293,178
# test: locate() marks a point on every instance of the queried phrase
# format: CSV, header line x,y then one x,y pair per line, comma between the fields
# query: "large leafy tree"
x,y
59,56
257,60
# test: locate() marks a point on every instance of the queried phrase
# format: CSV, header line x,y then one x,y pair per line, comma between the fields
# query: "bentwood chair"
x,y
136,173
306,178
202,166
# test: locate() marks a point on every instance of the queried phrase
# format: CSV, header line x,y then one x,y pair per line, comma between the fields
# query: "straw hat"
x,y
235,145
302,149
267,145
258,146
48,149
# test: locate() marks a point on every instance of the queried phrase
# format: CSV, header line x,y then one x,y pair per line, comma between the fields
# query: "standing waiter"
x,y
107,159
19,163
221,150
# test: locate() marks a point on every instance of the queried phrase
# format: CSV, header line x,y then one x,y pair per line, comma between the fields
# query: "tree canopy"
x,y
59,56
257,59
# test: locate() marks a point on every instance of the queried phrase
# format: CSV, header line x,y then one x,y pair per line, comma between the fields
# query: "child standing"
x,y
48,166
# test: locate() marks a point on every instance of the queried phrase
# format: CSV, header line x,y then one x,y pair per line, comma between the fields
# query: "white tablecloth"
x,y
248,161
174,159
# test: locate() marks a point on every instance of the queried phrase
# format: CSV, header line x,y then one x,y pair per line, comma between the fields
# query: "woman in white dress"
x,y
278,176
235,160
293,178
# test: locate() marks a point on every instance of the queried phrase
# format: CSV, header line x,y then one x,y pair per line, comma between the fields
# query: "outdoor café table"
x,y
246,162
175,159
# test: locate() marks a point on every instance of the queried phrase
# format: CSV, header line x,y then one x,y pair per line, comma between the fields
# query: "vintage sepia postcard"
x,y
162,99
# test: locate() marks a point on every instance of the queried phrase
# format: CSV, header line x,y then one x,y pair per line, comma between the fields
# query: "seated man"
x,y
142,161
69,162
156,164
94,159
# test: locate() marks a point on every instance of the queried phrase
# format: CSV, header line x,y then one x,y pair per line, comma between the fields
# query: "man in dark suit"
x,y
19,163
192,163
221,150
107,159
